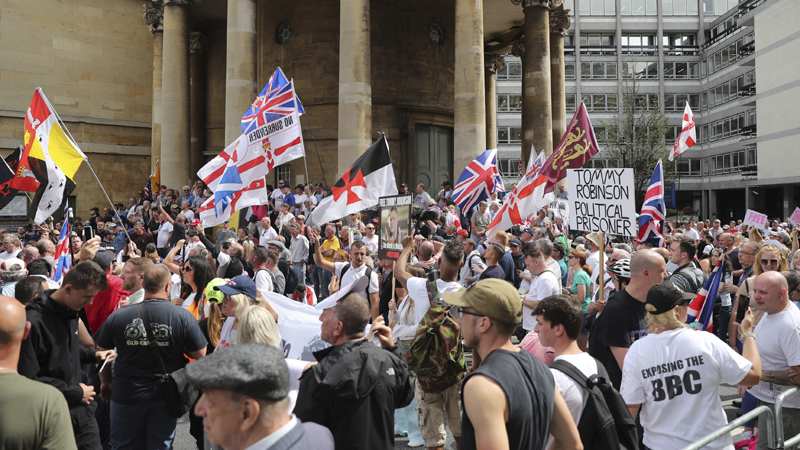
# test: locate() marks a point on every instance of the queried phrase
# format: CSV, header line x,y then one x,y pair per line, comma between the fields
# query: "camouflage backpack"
x,y
436,355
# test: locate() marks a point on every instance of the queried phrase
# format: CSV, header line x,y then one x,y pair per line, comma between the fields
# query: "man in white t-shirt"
x,y
777,337
543,285
355,269
594,244
434,405
164,233
11,247
545,246
277,197
559,321
262,275
689,231
473,257
673,374
268,233
371,239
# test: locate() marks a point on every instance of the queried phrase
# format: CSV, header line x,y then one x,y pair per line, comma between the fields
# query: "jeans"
x,y
316,279
300,272
142,426
408,421
724,319
324,283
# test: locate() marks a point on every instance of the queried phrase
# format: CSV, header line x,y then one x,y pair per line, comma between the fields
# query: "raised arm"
x,y
400,273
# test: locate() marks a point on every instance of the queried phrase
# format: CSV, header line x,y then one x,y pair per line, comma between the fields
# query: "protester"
x,y
363,384
545,284
53,356
675,369
11,271
687,277
510,400
138,405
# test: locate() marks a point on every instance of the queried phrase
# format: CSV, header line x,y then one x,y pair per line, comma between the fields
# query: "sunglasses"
x,y
458,312
771,262
186,268
258,252
570,257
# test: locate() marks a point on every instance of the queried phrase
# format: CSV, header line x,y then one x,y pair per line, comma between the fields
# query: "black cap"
x,y
104,258
665,296
515,243
445,183
254,370
318,184
95,209
403,185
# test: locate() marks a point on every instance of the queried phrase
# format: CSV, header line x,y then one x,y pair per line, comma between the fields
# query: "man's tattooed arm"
x,y
789,377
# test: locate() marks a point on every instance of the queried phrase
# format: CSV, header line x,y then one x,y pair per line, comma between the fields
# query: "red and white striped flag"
x,y
688,134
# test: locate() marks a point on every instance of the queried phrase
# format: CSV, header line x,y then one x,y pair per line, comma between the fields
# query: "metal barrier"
x,y
697,445
779,420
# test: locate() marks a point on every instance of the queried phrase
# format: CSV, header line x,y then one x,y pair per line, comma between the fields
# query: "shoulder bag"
x,y
180,393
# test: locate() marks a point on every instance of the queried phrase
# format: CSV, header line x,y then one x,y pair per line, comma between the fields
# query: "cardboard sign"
x,y
755,219
794,219
395,224
602,200
560,208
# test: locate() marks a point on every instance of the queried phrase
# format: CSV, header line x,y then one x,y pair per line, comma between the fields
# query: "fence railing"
x,y
779,419
711,437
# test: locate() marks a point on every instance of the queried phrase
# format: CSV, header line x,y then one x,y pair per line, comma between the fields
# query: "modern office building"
x,y
706,52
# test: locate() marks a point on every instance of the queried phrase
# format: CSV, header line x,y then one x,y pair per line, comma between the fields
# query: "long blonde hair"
x,y
663,320
256,324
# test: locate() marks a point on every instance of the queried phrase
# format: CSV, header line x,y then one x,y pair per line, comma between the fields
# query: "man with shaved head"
x,y
624,318
33,415
777,337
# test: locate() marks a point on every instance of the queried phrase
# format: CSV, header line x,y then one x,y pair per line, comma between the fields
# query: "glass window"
x,y
681,70
669,70
569,70
611,70
585,7
607,40
597,8
599,102
515,102
652,70
703,68
694,101
693,69
691,7
570,102
594,39
625,7
637,7
669,102
611,8
586,70
680,7
652,7
502,103
598,70
516,134
611,102
666,7
704,100
502,134
514,71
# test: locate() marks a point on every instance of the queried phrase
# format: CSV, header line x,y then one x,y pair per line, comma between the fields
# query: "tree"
x,y
635,138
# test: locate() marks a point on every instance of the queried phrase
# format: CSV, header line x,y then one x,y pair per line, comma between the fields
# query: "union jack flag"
x,y
479,180
62,257
256,115
702,307
651,220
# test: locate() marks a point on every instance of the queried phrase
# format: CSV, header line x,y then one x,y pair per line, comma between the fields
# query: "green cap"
x,y
212,293
494,298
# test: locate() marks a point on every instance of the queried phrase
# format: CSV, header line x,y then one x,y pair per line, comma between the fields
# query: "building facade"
x,y
705,52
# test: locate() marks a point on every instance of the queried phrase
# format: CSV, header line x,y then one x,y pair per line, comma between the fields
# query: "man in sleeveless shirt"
x,y
510,399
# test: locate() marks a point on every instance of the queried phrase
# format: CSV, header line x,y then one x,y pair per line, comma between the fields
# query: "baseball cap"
x,y
445,183
300,217
12,265
318,184
494,298
195,222
212,289
515,243
665,296
104,259
403,185
463,233
526,230
578,240
253,370
358,285
240,285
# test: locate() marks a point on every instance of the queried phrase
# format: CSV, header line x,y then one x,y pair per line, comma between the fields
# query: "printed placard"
x,y
794,219
395,224
603,200
756,219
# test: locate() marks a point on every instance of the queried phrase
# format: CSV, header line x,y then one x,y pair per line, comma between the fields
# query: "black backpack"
x,y
367,273
606,422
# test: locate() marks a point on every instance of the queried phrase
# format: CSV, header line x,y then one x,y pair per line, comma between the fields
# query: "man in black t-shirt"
x,y
139,416
493,254
624,318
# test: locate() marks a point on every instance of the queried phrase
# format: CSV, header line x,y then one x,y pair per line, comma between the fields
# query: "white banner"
x,y
300,327
602,200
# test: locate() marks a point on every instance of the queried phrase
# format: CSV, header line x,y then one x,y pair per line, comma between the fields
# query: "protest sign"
x,y
794,219
755,219
602,200
395,224
560,208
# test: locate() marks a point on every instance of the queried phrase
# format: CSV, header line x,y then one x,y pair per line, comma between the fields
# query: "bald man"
x,y
777,338
624,319
33,415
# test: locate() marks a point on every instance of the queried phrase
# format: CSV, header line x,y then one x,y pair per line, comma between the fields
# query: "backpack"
x,y
291,281
606,422
367,274
436,354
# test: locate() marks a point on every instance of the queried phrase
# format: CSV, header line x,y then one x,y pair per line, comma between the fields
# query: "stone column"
x,y
493,63
559,26
154,18
355,82
175,146
537,128
198,43
240,64
470,97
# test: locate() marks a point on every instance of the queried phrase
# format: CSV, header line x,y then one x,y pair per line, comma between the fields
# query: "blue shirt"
x,y
189,198
289,200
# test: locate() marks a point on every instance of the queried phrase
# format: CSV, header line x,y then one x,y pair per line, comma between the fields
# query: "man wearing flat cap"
x,y
511,397
356,386
245,403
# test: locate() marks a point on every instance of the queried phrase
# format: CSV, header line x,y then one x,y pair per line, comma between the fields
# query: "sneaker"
x,y
737,403
400,433
414,444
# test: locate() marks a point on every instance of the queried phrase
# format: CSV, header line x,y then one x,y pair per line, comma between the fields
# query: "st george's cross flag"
x,y
651,220
274,91
479,180
688,135
527,198
62,256
702,307
53,156
370,177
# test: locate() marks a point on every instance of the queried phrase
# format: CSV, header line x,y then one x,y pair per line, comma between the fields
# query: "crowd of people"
x,y
151,291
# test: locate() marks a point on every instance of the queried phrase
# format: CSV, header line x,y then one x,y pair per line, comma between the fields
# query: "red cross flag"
x,y
688,134
370,177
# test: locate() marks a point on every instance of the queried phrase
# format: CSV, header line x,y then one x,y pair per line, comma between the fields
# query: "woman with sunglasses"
x,y
239,293
196,273
769,258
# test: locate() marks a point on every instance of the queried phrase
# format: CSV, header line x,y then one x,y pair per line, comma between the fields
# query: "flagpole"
x,y
317,150
124,228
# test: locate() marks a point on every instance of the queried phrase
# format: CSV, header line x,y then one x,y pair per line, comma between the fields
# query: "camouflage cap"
x,y
492,297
